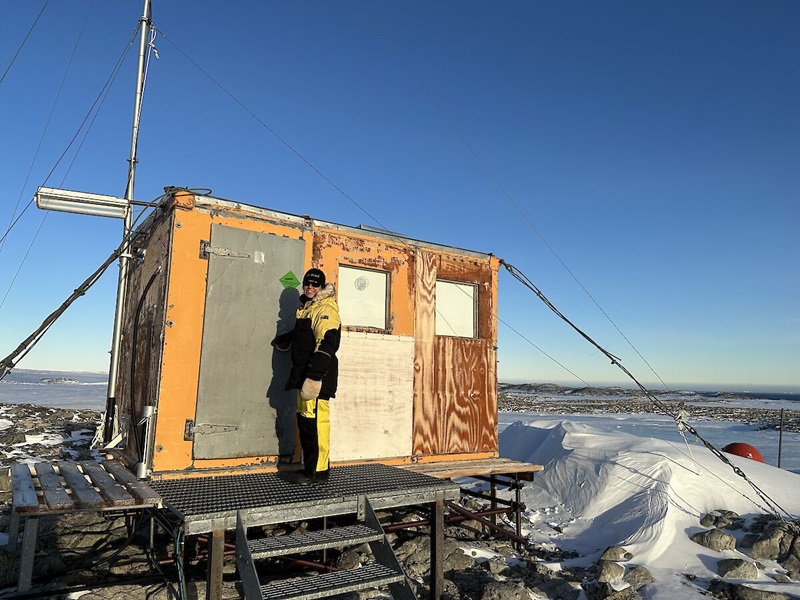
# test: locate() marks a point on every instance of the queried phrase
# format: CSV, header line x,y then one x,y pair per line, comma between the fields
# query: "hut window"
x,y
363,297
456,309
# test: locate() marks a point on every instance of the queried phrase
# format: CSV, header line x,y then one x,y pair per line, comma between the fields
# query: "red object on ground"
x,y
744,450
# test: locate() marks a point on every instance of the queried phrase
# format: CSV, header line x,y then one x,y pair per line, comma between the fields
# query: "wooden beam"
x,y
85,495
54,493
23,495
474,468
437,549
110,489
140,490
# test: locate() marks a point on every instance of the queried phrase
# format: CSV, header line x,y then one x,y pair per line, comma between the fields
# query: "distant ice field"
x,y
62,389
66,389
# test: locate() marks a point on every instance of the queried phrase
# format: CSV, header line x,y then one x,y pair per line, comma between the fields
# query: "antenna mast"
x,y
110,419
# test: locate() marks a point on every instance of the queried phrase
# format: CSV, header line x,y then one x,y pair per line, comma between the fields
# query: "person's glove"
x,y
282,342
310,389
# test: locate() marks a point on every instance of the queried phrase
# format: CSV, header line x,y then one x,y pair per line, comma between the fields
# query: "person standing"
x,y
315,370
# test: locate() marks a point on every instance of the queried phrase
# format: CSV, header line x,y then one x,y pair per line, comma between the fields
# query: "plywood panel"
x,y
465,401
426,417
455,393
372,412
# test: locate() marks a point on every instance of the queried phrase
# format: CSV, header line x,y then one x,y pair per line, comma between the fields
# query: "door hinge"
x,y
188,430
206,249
191,430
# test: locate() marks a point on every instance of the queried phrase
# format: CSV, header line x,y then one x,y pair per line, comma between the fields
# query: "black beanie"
x,y
314,277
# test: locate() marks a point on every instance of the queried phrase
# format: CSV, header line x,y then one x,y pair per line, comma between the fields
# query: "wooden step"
x,y
335,537
331,584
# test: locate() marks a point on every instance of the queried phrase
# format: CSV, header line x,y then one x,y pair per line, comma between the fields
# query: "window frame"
x,y
386,294
475,307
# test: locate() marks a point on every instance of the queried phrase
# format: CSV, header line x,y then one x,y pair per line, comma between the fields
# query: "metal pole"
x,y
111,422
780,440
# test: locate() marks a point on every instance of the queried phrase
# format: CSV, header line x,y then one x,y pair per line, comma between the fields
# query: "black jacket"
x,y
315,340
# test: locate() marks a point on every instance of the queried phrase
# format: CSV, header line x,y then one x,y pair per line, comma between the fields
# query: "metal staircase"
x,y
385,571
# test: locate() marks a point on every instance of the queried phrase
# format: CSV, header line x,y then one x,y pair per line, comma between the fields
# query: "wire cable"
x,y
27,35
50,117
545,353
274,133
318,172
10,361
91,112
504,191
679,418
36,155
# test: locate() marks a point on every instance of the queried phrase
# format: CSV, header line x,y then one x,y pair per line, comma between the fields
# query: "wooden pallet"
x,y
60,488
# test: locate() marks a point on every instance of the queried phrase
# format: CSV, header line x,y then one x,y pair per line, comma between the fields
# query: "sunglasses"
x,y
309,284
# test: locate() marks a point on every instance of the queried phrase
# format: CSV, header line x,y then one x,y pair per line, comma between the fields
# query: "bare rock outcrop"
x,y
714,539
737,568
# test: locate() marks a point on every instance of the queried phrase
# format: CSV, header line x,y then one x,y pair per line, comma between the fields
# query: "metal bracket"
x,y
188,431
361,508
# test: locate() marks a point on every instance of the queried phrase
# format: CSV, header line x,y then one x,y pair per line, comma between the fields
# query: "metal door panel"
x,y
242,407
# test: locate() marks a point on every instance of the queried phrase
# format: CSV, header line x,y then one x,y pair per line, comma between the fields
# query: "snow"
x,y
602,488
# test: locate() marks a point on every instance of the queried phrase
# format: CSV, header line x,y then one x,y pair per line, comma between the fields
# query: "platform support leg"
x,y
493,492
216,555
437,549
28,551
13,532
518,511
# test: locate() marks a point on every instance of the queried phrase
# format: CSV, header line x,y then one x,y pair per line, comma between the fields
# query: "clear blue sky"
x,y
653,145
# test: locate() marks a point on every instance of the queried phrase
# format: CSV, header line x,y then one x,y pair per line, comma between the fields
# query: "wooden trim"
x,y
425,434
497,466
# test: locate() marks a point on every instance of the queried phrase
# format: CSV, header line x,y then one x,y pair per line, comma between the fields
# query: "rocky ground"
x,y
94,552
102,555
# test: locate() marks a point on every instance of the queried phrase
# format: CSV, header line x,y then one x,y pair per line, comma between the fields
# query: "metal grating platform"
x,y
340,582
337,537
209,503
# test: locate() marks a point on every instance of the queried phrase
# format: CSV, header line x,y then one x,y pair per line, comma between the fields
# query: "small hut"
x,y
201,390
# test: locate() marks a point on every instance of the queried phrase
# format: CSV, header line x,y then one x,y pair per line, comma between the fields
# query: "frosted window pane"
x,y
455,309
362,297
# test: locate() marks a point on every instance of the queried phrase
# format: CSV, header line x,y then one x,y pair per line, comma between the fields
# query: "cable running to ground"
x,y
10,361
578,377
777,510
36,155
101,96
315,169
